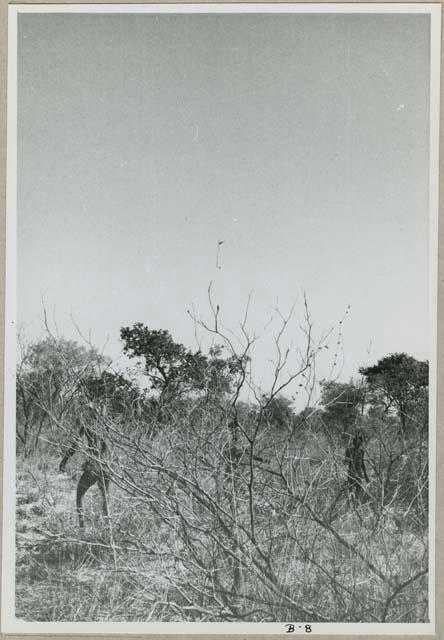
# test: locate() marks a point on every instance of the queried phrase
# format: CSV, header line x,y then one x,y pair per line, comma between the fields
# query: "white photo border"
x,y
9,624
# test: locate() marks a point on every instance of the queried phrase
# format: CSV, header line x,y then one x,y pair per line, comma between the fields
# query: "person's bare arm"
x,y
72,449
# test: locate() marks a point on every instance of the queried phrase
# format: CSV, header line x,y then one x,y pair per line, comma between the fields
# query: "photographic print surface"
x,y
221,318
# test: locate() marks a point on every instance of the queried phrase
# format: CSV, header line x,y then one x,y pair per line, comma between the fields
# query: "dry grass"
x,y
64,574
129,568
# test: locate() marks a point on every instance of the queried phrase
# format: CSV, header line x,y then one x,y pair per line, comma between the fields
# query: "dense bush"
x,y
222,509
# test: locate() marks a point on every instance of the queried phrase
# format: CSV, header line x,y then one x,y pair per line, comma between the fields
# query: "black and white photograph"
x,y
221,299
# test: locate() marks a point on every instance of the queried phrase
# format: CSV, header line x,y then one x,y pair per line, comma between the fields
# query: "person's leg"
x,y
104,490
87,480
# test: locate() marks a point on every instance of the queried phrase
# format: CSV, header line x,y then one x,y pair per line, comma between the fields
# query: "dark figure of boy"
x,y
94,468
357,474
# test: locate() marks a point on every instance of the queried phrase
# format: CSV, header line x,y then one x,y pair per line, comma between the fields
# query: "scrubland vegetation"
x,y
227,502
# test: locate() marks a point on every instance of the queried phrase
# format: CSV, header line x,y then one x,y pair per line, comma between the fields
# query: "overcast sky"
x,y
301,141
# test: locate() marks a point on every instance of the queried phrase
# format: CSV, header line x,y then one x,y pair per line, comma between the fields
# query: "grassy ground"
x,y
65,574
105,572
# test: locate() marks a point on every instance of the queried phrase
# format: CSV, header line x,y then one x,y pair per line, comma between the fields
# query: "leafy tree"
x,y
309,419
49,376
173,369
279,413
399,381
343,404
120,395
220,373
167,363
